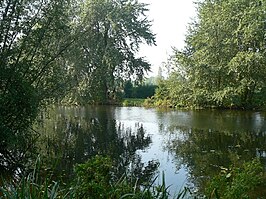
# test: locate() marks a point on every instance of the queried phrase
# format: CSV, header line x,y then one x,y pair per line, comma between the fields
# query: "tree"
x,y
33,38
223,62
49,47
128,89
107,58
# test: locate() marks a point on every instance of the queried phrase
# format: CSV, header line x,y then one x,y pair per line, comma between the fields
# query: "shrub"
x,y
236,182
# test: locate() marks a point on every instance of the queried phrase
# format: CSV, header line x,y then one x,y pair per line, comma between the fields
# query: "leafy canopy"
x,y
223,63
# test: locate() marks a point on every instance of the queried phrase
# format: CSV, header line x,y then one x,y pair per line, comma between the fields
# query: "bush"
x,y
94,180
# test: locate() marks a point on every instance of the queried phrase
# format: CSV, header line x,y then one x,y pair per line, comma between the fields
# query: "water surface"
x,y
188,146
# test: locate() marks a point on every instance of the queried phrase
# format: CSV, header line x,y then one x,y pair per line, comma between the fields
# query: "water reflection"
x,y
191,146
206,141
72,135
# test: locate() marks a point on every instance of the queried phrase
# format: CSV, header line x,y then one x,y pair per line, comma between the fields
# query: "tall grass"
x,y
33,185
93,181
90,182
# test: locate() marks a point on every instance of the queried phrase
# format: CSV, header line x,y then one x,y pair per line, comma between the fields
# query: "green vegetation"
x,y
93,179
237,182
136,95
36,184
105,55
133,102
81,52
142,91
33,38
223,62
63,51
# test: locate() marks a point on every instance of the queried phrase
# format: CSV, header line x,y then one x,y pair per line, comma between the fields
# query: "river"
x,y
189,147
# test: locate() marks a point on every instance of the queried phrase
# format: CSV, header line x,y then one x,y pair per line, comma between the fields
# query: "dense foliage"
x,y
83,50
33,38
236,182
106,57
223,62
93,179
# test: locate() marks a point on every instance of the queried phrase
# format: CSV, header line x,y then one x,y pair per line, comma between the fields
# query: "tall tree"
x,y
107,54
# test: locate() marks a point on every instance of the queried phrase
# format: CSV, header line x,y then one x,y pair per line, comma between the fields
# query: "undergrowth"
x,y
94,179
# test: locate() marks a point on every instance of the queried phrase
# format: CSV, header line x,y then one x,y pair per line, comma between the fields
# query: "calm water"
x,y
188,146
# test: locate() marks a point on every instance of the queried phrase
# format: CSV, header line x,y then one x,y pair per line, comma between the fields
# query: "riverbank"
x,y
133,102
167,103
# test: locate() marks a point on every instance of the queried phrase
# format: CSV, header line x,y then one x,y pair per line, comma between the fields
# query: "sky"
x,y
170,19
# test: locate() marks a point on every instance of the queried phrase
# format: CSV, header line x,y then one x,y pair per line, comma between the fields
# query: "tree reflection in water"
x,y
73,135
205,152
199,142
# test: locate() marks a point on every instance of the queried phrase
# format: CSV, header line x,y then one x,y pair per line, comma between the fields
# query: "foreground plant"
x,y
33,185
236,182
95,180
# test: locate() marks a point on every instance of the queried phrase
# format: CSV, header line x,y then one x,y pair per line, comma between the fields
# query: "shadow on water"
x,y
72,135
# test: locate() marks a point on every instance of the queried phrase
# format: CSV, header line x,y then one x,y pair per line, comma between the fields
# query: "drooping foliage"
x,y
223,62
106,54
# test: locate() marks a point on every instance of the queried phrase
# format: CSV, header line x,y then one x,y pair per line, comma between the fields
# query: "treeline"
x,y
142,91
64,50
223,62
